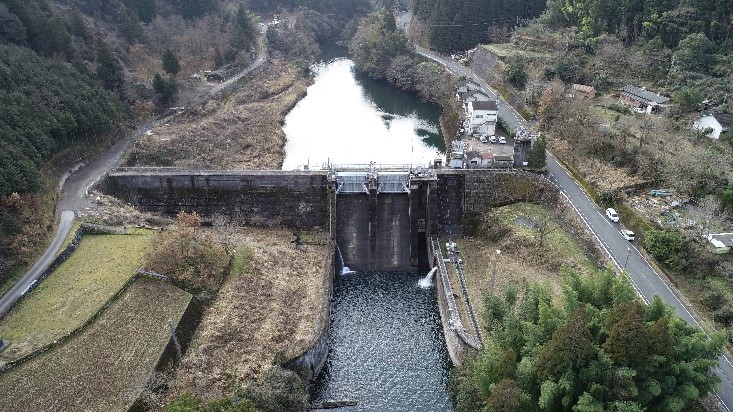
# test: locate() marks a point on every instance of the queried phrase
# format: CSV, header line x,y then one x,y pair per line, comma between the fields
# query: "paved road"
x,y
74,192
65,222
625,255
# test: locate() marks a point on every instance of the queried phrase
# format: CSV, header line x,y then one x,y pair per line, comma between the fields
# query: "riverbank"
x,y
241,131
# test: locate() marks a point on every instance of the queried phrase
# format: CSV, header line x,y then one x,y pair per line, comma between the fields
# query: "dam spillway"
x,y
373,219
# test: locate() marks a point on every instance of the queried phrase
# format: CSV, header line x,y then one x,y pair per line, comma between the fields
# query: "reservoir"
x,y
387,348
350,119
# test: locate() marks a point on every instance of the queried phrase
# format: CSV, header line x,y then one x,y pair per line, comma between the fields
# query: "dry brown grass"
x,y
521,258
601,175
268,311
105,367
242,132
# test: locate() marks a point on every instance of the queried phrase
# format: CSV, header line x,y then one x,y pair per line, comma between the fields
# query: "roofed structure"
x,y
639,97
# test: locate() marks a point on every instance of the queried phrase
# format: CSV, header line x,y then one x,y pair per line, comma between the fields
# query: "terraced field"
x,y
106,366
72,293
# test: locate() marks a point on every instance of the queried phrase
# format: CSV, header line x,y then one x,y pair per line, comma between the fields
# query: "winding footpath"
x,y
74,193
625,255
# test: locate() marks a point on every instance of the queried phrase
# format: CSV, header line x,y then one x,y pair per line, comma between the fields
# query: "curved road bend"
x,y
74,194
626,256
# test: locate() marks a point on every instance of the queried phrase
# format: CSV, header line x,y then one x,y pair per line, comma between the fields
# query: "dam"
x,y
386,340
379,215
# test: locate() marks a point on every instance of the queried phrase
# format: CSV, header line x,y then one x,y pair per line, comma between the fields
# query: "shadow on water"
x,y
387,349
391,100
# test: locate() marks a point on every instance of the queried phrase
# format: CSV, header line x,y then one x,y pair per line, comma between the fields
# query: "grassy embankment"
x,y
73,293
521,258
266,312
107,365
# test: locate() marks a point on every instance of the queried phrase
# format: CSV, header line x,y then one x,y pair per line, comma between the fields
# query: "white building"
x,y
714,124
481,117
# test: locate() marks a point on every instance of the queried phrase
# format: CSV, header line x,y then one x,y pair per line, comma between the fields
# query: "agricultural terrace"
x,y
105,367
73,292
267,311
516,230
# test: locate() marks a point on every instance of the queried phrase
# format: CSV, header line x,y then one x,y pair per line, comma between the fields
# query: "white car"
x,y
493,139
483,138
612,215
628,235
502,139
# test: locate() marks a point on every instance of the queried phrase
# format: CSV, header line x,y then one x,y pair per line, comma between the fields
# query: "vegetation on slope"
x,y
382,52
47,105
462,24
265,313
574,353
243,132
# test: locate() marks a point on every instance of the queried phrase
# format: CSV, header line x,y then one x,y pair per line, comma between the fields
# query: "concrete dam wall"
x,y
381,220
293,199
373,231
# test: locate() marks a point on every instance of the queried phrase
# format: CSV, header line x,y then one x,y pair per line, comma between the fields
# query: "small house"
x,y
721,242
714,124
482,116
643,99
584,92
486,159
474,159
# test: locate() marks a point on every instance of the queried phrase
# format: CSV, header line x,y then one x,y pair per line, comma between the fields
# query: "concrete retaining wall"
x,y
291,199
458,192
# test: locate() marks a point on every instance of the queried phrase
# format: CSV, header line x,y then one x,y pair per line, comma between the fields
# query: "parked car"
x,y
628,235
493,139
612,215
502,139
483,138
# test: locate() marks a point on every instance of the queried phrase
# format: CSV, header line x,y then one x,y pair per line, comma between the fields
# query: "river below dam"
x,y
387,349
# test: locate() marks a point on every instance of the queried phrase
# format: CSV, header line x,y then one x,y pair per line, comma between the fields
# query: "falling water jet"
x,y
344,269
427,281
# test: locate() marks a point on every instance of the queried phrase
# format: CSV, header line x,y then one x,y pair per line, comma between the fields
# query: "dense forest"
x,y
463,24
575,353
460,25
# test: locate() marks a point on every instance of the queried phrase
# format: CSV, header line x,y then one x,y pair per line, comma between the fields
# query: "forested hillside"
x,y
462,24
595,349
669,20
74,74
46,105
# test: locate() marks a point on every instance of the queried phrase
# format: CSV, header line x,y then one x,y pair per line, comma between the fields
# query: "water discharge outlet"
x,y
427,281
